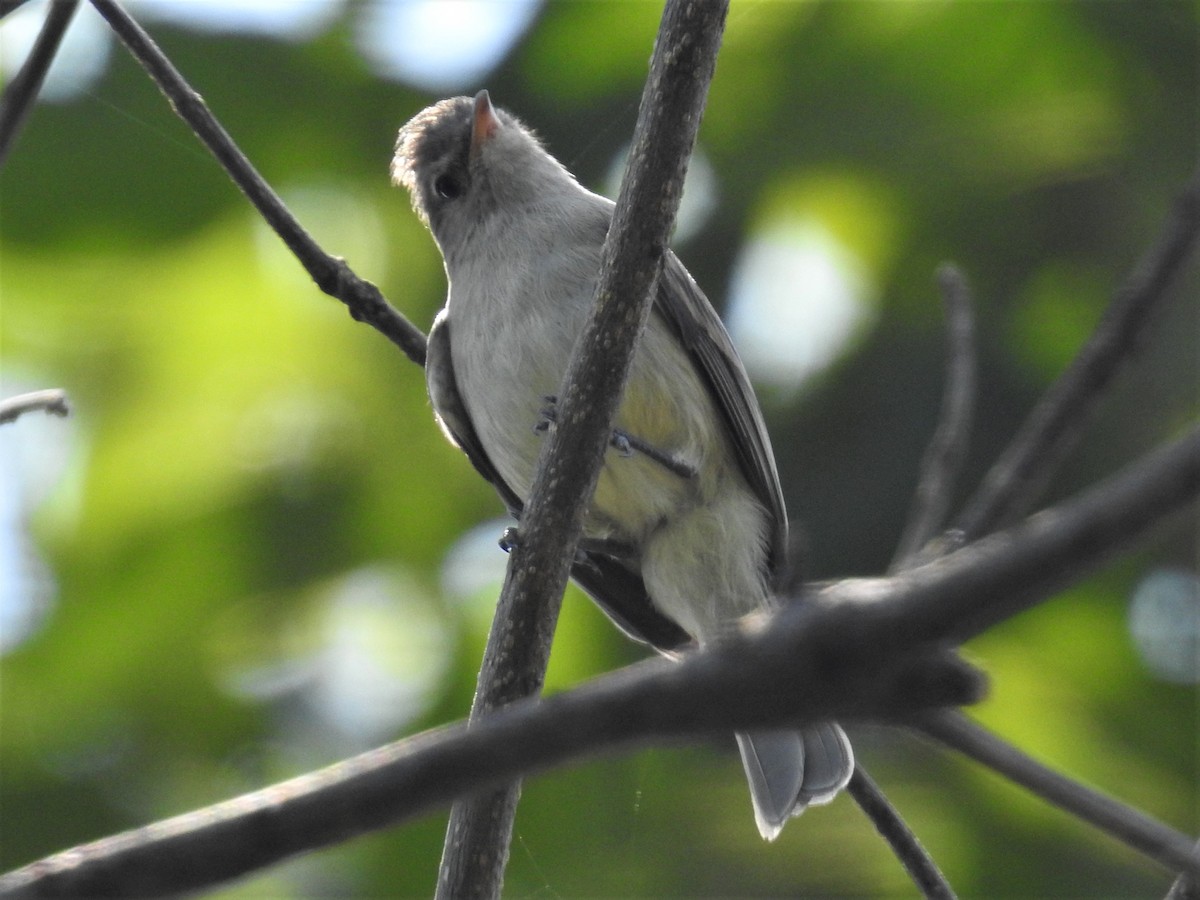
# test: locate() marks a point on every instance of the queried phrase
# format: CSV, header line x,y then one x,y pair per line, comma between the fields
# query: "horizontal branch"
x,y
868,649
51,400
331,274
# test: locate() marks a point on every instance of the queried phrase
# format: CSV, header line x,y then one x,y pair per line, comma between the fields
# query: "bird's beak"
x,y
484,124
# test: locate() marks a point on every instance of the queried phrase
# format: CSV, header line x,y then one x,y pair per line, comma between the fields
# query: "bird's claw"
x,y
510,539
547,415
621,443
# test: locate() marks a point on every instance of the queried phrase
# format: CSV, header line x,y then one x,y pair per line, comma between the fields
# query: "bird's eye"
x,y
447,187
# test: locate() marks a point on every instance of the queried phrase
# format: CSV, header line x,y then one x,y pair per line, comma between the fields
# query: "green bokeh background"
x,y
243,457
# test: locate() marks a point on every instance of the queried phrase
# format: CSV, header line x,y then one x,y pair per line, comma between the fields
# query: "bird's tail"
x,y
790,770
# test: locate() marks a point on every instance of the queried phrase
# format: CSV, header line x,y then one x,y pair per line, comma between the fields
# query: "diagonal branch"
x,y
907,848
1122,822
331,274
518,648
1061,543
1052,428
22,91
861,653
1187,885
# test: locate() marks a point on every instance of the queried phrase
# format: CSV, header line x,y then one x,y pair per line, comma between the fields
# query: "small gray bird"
x,y
687,529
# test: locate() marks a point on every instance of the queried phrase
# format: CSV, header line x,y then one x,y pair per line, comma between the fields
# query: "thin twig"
x,y
331,274
1126,824
52,401
857,655
1052,428
22,91
518,649
1062,541
907,848
947,449
189,109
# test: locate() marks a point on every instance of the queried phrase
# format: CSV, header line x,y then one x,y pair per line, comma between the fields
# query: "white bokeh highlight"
x,y
441,45
1164,622
292,20
798,299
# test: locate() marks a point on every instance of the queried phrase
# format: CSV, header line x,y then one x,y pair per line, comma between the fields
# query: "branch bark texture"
x,y
518,648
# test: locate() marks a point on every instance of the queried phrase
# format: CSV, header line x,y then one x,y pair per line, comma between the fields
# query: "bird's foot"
x,y
510,539
627,445
547,415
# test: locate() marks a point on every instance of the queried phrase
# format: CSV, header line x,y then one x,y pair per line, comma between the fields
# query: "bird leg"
x,y
624,443
510,539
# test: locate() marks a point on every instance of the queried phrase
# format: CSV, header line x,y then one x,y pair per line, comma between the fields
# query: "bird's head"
x,y
467,165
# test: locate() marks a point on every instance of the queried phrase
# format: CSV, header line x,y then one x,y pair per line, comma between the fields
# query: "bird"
x,y
687,531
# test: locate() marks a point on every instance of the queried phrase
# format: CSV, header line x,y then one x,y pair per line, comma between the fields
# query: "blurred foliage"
x,y
245,525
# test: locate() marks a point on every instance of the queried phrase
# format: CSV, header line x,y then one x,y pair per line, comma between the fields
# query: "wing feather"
x,y
684,307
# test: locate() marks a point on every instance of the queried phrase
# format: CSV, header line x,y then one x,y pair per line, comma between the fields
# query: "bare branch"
x,y
1133,828
1062,542
868,649
820,651
947,449
22,91
654,699
53,401
905,845
331,274
1052,428
518,648
1187,885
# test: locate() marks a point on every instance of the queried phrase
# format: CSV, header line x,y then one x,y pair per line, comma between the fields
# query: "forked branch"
x,y
870,649
1017,478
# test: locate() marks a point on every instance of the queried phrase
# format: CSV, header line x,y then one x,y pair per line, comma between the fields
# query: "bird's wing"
x,y
615,585
684,307
451,412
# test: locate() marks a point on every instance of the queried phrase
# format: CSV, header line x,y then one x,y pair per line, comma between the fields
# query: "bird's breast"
x,y
510,352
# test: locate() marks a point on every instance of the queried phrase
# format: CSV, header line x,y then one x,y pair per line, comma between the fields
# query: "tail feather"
x,y
790,770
